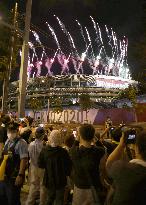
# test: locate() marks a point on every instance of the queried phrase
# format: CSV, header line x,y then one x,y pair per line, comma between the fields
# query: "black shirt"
x,y
129,183
86,166
57,165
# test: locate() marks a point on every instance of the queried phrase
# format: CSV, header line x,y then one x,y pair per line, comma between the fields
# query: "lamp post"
x,y
24,62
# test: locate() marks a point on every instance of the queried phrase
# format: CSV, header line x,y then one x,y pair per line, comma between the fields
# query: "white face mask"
x,y
11,136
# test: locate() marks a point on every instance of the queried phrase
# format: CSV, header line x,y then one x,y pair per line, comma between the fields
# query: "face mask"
x,y
11,136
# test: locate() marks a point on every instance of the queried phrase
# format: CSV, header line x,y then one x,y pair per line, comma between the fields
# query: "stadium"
x,y
99,71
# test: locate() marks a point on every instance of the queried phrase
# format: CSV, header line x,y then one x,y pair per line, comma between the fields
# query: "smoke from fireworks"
x,y
114,63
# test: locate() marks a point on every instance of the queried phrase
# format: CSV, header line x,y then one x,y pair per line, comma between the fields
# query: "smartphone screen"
x,y
131,137
74,133
41,125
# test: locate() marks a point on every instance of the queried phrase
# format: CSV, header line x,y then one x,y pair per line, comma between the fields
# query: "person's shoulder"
x,y
118,167
64,150
48,149
1,128
32,143
99,150
21,142
1,132
75,146
120,163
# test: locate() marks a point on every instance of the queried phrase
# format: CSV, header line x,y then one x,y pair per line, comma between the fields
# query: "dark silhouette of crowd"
x,y
71,165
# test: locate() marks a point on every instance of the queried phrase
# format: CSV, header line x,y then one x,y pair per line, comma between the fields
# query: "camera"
x,y
130,136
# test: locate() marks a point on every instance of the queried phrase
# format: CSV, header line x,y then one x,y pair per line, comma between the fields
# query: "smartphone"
x,y
41,125
131,137
74,133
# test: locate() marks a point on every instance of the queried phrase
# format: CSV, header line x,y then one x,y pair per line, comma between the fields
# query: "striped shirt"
x,y
34,150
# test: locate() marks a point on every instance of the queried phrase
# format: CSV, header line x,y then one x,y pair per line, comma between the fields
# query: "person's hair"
x,y
51,128
30,120
13,126
87,132
5,119
141,144
26,135
39,135
116,134
69,141
23,124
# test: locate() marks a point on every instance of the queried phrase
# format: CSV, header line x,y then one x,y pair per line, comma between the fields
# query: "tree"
x,y
9,41
35,104
132,93
129,93
56,103
85,102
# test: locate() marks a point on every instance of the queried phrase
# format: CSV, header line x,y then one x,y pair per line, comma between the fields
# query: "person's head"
x,y
55,138
69,141
25,133
116,134
5,119
39,133
141,145
24,122
51,128
12,130
87,132
30,120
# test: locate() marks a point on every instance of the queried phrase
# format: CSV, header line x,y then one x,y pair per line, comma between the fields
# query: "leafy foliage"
x,y
85,102
6,42
129,93
35,104
56,103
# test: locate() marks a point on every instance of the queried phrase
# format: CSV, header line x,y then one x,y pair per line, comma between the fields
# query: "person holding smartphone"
x,y
129,178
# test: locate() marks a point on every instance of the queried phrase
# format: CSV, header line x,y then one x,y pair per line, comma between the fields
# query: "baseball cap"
x,y
40,130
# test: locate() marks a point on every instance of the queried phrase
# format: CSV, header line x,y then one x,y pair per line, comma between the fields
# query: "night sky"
x,y
127,17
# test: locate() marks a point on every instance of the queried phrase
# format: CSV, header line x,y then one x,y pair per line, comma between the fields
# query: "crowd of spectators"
x,y
68,165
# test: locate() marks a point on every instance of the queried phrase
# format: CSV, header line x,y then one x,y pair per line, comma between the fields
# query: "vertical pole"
x,y
48,110
24,62
8,71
